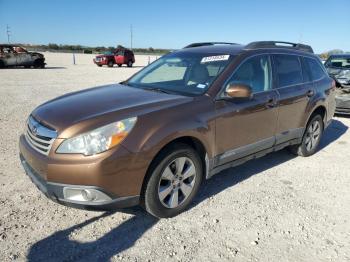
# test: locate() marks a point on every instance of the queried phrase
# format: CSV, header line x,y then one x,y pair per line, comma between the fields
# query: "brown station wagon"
x,y
153,139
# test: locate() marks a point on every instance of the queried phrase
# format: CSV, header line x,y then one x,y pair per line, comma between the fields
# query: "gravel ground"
x,y
276,208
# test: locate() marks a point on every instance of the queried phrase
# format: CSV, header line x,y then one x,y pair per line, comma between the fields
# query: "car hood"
x,y
36,54
103,55
85,110
339,72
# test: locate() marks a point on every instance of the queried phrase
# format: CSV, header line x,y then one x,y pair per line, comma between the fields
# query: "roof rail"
x,y
208,44
281,44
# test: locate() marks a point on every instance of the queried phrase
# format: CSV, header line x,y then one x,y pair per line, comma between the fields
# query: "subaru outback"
x,y
152,139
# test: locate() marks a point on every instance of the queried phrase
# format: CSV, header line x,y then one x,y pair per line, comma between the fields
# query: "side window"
x,y
120,52
254,72
288,70
306,70
315,68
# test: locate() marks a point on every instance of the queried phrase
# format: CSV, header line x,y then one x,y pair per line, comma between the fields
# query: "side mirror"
x,y
238,90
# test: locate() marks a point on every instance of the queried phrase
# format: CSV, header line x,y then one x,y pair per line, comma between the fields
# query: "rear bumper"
x,y
55,192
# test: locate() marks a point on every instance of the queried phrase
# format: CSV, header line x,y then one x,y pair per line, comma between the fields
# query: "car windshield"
x,y
181,73
339,62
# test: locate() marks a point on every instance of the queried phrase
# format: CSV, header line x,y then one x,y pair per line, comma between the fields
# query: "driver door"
x,y
119,58
24,58
10,56
247,125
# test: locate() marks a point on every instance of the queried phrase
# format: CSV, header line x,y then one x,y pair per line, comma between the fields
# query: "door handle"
x,y
310,93
270,103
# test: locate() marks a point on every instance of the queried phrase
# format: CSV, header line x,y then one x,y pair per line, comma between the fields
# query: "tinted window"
x,y
306,70
254,72
288,70
315,68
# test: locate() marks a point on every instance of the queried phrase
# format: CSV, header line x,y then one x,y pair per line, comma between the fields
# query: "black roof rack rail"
x,y
279,44
208,44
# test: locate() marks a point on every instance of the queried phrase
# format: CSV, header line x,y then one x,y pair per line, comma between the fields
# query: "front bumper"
x,y
55,192
114,173
342,104
101,62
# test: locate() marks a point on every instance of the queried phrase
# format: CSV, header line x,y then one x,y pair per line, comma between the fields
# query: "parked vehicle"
x,y
338,67
14,55
119,57
154,138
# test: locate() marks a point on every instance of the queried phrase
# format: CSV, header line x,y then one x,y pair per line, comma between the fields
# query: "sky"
x,y
173,24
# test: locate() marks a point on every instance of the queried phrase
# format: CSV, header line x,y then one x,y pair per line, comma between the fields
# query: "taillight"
x,y
333,84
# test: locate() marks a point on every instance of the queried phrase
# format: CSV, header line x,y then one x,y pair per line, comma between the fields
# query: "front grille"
x,y
39,137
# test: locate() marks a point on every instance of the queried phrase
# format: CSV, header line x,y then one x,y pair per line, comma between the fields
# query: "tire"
x,y
308,145
38,64
166,183
27,66
110,63
119,65
130,63
2,64
99,65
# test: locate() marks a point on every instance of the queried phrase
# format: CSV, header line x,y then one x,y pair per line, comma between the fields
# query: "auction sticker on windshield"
x,y
209,59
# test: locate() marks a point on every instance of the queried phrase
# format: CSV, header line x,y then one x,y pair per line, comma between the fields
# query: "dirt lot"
x,y
277,208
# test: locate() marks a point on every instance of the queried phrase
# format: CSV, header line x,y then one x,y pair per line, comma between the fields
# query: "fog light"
x,y
88,195
84,195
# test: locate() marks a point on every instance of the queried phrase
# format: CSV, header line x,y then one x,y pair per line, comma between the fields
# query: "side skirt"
x,y
258,154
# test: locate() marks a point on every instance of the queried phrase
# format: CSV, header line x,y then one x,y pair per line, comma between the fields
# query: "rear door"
x,y
246,126
295,90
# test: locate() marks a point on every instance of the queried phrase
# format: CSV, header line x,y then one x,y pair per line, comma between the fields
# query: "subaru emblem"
x,y
34,130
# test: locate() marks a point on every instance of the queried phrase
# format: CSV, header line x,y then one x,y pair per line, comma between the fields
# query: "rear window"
x,y
288,69
315,68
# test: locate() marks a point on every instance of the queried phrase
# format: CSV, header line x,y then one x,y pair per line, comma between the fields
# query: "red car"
x,y
118,56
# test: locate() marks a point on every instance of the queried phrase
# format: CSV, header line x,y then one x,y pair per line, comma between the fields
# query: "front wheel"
x,y
311,138
110,63
39,64
173,182
130,63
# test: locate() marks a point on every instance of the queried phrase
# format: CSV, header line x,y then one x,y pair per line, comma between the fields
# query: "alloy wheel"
x,y
313,135
176,182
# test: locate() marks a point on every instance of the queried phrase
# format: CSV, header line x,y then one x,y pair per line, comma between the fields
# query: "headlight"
x,y
98,140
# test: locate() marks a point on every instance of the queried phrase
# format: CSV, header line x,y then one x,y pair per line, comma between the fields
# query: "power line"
x,y
131,37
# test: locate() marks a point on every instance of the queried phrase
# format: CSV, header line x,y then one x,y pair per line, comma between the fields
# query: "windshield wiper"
x,y
160,90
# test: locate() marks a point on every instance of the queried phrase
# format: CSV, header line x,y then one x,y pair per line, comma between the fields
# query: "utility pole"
x,y
8,33
131,37
300,37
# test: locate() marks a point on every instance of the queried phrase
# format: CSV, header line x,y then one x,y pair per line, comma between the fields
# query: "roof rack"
x,y
208,44
279,44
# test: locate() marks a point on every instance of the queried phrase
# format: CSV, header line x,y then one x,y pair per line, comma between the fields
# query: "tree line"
x,y
325,55
91,50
